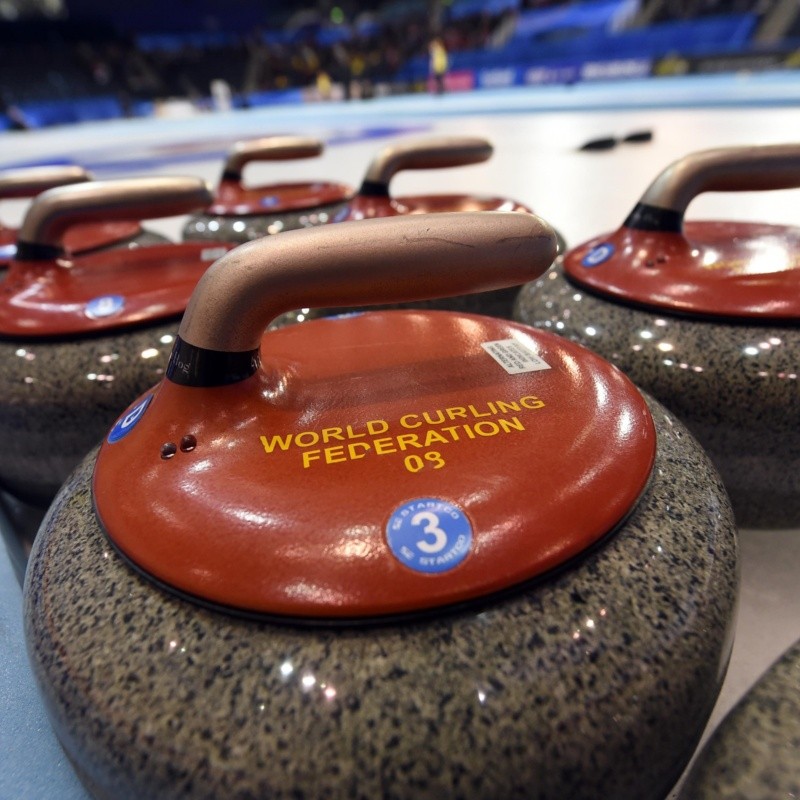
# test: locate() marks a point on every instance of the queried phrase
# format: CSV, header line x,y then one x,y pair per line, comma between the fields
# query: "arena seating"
x,y
97,72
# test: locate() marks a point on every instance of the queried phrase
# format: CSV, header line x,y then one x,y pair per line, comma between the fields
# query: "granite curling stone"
x,y
703,315
403,554
755,752
240,213
81,335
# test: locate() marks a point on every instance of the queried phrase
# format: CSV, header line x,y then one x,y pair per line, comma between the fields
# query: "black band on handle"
x,y
232,175
373,189
190,365
31,251
653,218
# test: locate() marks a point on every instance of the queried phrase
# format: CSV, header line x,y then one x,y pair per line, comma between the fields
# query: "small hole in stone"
x,y
188,443
168,449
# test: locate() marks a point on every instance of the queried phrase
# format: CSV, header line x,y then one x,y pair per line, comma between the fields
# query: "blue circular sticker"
x,y
126,424
597,255
429,535
269,201
105,306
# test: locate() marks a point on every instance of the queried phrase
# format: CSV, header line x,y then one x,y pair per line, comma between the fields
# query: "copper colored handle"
x,y
270,148
52,213
434,153
30,181
728,169
385,260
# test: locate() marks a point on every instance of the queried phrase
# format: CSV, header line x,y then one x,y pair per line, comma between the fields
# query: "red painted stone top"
x,y
101,291
709,269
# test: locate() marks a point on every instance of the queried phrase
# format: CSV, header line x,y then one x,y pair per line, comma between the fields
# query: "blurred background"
x,y
649,80
64,61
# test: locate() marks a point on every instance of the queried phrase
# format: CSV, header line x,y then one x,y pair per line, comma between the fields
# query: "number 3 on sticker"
x,y
433,529
429,535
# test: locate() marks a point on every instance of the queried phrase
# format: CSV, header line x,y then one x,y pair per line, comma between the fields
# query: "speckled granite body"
x,y
248,227
755,752
594,684
58,399
736,387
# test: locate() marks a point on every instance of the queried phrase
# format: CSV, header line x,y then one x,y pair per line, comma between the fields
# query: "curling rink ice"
x,y
536,134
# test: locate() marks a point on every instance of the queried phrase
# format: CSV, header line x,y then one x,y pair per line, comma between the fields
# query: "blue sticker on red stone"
x,y
126,424
598,255
269,201
105,306
429,535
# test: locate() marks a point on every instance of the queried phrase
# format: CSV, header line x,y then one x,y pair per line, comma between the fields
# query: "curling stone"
x,y
239,213
83,334
408,554
703,315
32,181
755,752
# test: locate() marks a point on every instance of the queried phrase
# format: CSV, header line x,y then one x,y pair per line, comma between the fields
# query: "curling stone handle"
x,y
433,153
385,260
30,181
270,148
726,169
53,212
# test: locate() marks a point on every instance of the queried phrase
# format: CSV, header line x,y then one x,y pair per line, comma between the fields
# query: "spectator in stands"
x,y
324,85
438,63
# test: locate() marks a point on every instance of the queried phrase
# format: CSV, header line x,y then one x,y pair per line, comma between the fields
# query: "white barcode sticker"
x,y
514,357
